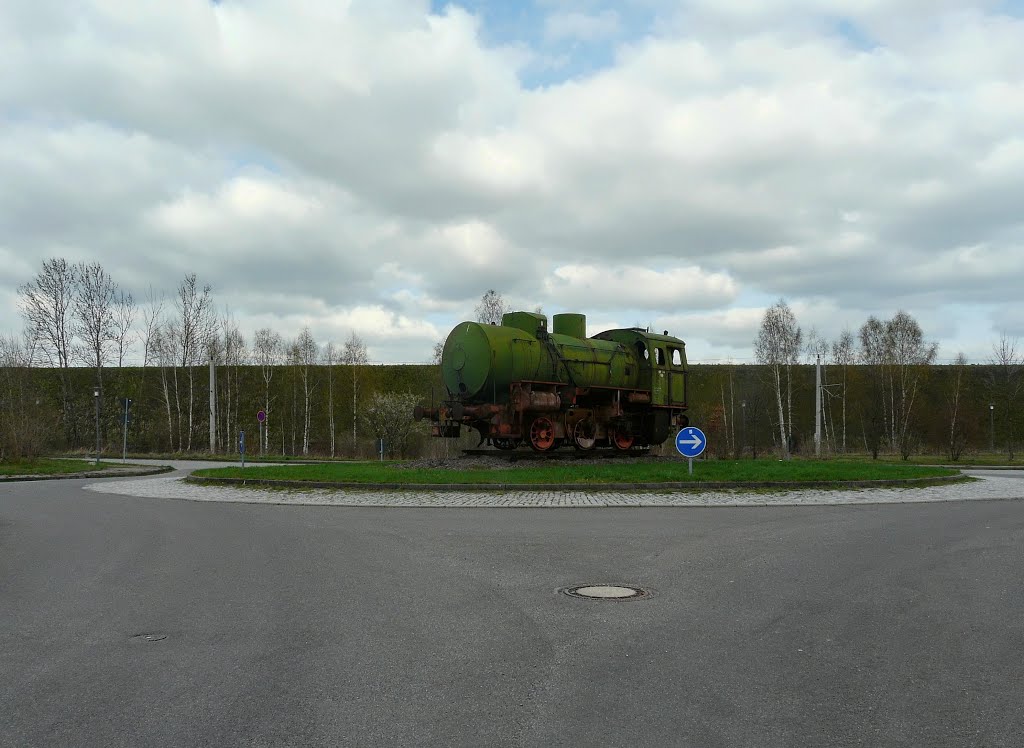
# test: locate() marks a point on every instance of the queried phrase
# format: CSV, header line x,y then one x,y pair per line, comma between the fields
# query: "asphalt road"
x,y
891,625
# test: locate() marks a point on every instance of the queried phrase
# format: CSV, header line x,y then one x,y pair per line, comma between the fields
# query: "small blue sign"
x,y
691,441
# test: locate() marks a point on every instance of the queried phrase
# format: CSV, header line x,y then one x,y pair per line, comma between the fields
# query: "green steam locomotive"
x,y
518,382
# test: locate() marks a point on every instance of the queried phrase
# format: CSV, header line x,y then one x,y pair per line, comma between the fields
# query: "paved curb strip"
x,y
587,487
111,473
987,488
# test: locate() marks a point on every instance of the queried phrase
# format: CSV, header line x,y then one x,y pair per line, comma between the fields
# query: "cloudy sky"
x,y
377,165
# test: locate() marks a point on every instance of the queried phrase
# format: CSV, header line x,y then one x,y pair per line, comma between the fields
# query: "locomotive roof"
x,y
643,333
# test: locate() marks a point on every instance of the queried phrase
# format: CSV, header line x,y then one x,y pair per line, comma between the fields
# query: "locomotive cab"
x,y
662,363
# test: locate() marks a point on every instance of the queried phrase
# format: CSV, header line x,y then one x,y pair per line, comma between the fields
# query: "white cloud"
x,y
373,163
632,287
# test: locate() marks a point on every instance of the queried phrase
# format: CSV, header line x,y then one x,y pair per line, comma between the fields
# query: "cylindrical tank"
x,y
479,361
573,325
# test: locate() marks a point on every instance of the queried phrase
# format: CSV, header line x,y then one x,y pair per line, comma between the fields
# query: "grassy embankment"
x,y
575,474
45,466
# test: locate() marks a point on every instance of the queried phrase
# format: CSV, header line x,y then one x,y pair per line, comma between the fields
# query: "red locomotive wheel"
x,y
542,434
622,440
583,435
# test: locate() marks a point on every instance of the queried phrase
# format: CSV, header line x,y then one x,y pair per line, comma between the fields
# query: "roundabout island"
x,y
441,484
641,473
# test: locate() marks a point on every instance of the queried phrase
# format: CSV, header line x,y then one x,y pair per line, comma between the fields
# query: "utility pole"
x,y
124,444
743,447
96,397
213,406
817,408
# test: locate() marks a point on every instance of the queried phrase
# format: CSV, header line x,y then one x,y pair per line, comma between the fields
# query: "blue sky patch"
x,y
545,28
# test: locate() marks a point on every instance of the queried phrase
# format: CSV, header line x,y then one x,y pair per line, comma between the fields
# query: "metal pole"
x,y
124,444
817,407
241,446
96,397
992,427
744,446
213,407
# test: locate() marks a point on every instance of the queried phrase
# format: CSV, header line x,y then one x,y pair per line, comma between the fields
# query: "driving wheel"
x,y
584,435
621,438
542,434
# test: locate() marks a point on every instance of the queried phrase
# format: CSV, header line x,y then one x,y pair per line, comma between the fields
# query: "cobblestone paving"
x,y
989,487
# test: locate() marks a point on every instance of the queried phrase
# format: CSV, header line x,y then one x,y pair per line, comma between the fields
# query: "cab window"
x,y
677,357
659,356
641,350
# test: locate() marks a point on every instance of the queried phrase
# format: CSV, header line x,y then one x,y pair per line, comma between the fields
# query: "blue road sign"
x,y
691,441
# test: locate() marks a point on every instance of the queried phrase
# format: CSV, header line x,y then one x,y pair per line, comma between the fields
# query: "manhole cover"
x,y
149,637
606,592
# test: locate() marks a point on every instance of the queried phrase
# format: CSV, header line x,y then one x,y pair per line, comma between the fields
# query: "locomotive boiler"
x,y
518,382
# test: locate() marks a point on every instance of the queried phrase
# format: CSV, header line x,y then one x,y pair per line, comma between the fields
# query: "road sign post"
x,y
690,443
241,446
261,416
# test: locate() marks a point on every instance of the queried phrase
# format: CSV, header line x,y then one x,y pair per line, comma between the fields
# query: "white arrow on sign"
x,y
694,441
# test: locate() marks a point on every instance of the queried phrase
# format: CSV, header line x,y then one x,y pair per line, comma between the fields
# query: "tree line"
x,y
882,383
67,369
881,390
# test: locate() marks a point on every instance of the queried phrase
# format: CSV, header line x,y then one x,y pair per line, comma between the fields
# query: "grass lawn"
x,y
45,466
967,460
570,474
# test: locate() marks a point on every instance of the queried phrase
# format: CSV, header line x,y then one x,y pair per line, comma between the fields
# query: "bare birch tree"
x,y
232,356
267,347
152,316
816,348
46,303
93,316
778,347
354,356
843,356
874,356
329,357
161,347
124,317
911,355
954,396
308,353
292,360
491,308
193,327
1005,384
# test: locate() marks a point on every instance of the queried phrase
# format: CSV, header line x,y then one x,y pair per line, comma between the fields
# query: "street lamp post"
x,y
992,426
96,397
744,408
